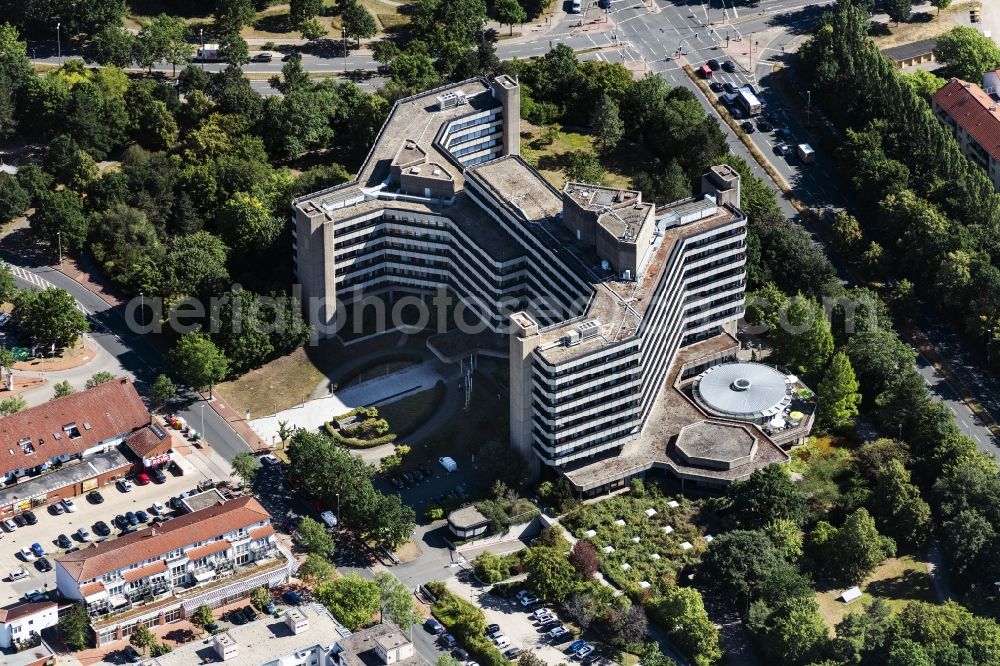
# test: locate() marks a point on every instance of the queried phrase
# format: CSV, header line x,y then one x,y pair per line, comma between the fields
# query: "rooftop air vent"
x,y
590,329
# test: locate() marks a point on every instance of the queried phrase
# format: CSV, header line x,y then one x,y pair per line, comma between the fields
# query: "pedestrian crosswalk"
x,y
40,282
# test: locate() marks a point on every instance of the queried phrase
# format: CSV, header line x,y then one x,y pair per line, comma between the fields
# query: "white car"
x,y
124,485
558,632
69,505
17,574
545,618
158,508
502,642
83,534
27,554
528,600
269,459
4,318
9,525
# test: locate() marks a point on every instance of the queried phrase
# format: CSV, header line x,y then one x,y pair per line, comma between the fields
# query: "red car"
x,y
142,479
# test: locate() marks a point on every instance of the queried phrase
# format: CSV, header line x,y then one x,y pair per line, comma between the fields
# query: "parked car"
x,y
269,460
460,654
43,565
120,521
747,127
261,57
132,518
64,541
729,66
729,87
764,126
576,645
433,626
94,497
584,652
292,597
31,518
715,86
549,626
9,525
158,508
787,149
157,475
142,516
449,641
101,528
56,509
142,478
512,652
37,550
270,607
17,574
545,618
69,504
35,595
713,65
502,642
124,485
83,534
558,634
396,482
495,634
529,600
175,469
492,628
737,113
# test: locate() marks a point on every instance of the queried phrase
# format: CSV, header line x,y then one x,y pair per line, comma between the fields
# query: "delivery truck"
x,y
806,153
208,53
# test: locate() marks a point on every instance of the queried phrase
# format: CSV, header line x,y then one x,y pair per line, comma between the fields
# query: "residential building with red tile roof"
x,y
163,573
974,116
18,621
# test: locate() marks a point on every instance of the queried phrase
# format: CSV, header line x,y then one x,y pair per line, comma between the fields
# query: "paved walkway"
x,y
313,414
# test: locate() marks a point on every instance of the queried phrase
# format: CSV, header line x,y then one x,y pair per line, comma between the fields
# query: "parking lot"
x,y
50,526
515,621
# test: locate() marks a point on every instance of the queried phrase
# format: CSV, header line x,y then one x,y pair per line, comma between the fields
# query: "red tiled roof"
x,y
211,523
207,549
146,442
261,532
110,409
19,610
974,111
91,588
144,572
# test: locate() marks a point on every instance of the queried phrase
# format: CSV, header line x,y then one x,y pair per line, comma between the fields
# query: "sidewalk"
x,y
238,422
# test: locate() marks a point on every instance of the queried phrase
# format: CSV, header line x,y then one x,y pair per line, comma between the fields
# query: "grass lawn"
x,y
283,383
549,159
898,581
925,26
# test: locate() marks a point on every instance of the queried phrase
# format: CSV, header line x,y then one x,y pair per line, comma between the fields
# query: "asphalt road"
x,y
136,354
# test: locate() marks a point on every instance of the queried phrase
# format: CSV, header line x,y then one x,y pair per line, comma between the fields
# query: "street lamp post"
x,y
142,308
809,99
201,36
59,42
338,511
59,240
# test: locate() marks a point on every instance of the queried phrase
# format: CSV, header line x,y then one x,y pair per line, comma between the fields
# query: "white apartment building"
x,y
158,575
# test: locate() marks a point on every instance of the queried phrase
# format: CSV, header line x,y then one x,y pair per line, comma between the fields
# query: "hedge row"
x,y
354,442
466,623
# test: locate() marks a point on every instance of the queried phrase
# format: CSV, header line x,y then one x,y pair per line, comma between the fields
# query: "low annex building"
x,y
468,522
160,574
597,291
67,446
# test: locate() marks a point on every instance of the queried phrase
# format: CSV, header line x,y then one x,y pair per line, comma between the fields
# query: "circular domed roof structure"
x,y
742,391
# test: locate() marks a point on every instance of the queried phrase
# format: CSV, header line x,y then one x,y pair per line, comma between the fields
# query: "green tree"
x,y
447,660
388,520
792,632
316,569
847,234
293,77
158,649
198,362
606,121
803,338
357,21
898,10
49,318
922,82
967,53
59,220
786,536
245,466
396,601
113,45
12,405
865,636
233,49
898,508
853,551
582,166
767,495
550,574
165,38
63,389
312,29
941,4
101,377
312,536
413,70
195,263
74,627
837,394
69,163
353,600
663,183
246,222
34,180
260,597
303,10
202,616
384,51
162,391
682,611
14,199
744,566
232,15
509,12
142,637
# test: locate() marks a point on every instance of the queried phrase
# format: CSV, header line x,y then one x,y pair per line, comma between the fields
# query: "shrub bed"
x,y
466,623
